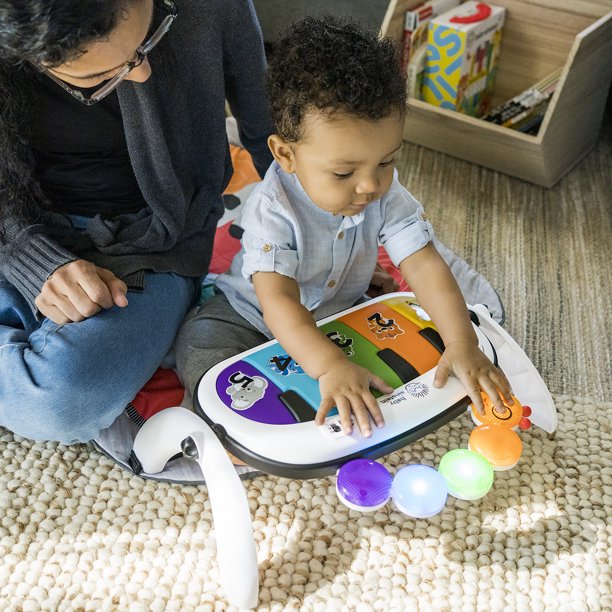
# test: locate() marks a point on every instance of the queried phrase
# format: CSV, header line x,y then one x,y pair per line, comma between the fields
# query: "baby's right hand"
x,y
347,386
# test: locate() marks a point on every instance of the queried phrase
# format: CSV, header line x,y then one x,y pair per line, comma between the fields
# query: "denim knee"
x,y
64,411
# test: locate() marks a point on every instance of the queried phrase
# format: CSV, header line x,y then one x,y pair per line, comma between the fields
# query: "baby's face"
x,y
346,163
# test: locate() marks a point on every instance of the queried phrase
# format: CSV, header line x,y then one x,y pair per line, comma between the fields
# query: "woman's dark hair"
x,y
48,32
334,66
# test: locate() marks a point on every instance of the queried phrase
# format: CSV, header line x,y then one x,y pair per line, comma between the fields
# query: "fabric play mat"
x,y
165,389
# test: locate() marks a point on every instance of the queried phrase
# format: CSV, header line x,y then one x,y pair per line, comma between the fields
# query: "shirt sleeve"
x,y
244,65
268,240
406,229
28,257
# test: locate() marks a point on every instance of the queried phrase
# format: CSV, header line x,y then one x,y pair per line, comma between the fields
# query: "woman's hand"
x,y
472,367
347,386
79,290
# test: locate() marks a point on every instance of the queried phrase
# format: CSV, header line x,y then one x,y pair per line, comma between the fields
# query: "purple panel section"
x,y
246,391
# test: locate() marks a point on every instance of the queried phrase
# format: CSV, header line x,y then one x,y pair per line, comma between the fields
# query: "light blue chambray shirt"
x,y
331,257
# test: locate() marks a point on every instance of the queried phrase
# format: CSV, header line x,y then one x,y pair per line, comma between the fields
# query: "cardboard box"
x,y
462,50
539,37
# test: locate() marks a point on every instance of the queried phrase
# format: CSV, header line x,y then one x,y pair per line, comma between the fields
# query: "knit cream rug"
x,y
78,533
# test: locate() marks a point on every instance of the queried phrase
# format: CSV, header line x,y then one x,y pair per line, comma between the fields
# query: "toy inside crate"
x,y
539,37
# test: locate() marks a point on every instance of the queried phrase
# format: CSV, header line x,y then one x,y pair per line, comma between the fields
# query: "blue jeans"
x,y
67,382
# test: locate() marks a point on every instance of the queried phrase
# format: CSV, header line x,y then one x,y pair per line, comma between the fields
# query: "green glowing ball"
x,y
468,475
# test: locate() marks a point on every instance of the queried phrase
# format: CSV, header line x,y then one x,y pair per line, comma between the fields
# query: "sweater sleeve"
x,y
28,257
244,65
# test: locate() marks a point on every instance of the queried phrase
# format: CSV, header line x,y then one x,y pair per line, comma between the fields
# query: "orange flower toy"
x,y
511,417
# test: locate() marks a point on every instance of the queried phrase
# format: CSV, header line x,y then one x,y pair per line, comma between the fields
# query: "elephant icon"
x,y
245,390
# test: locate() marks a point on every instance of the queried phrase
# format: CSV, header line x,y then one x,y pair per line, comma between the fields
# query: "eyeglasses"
x,y
141,53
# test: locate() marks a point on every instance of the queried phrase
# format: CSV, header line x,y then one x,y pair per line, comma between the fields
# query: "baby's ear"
x,y
282,153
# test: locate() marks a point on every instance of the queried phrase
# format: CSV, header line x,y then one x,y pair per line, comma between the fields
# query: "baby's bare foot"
x,y
235,459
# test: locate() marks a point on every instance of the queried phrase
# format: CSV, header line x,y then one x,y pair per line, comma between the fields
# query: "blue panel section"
x,y
285,373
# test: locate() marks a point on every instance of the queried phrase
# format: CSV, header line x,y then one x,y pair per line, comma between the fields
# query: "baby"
x,y
313,226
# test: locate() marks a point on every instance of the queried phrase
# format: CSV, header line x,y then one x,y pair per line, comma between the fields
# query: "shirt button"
x,y
340,235
332,283
266,247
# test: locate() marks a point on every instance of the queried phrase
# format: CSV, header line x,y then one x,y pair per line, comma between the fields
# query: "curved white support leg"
x,y
164,436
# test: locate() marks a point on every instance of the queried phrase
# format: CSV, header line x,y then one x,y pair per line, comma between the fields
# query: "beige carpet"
x,y
79,533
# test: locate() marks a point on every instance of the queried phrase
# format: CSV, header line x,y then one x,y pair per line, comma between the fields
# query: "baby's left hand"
x,y
476,372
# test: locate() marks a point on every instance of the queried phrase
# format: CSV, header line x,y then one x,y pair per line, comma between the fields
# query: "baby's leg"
x,y
211,333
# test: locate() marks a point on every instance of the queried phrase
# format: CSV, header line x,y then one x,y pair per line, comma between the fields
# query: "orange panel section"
x,y
387,328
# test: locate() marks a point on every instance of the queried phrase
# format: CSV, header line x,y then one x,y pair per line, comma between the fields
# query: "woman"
x,y
113,161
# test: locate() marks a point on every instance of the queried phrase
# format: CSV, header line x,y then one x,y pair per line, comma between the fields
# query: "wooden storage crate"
x,y
539,36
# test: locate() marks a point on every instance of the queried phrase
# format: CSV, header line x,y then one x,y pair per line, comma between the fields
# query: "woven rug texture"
x,y
77,532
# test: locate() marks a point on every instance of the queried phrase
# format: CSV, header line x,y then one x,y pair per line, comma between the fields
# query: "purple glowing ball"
x,y
364,485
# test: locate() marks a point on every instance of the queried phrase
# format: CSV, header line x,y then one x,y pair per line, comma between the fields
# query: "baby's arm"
x,y
342,383
437,291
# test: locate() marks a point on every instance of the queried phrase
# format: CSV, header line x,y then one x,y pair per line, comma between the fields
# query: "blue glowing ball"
x,y
419,491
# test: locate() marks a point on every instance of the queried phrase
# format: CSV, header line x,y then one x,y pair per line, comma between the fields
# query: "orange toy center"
x,y
510,416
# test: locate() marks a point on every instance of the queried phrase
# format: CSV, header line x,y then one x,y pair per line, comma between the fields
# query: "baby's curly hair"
x,y
334,66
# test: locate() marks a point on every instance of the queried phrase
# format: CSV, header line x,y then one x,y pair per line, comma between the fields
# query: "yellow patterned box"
x,y
462,50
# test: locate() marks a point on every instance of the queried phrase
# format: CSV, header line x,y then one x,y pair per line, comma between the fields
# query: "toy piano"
x,y
262,405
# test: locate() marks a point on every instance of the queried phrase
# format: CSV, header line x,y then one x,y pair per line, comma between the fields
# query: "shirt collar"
x,y
353,220
347,222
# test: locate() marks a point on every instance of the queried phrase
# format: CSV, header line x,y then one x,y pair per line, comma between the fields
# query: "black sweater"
x,y
175,132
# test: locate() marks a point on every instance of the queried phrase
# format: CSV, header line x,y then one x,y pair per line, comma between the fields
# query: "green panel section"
x,y
361,351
